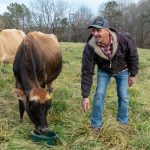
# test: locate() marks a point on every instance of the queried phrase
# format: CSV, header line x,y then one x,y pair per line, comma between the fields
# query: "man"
x,y
116,56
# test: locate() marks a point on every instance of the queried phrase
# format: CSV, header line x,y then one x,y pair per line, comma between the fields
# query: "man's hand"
x,y
131,81
86,104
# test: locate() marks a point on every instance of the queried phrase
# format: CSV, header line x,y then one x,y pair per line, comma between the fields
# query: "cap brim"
x,y
95,26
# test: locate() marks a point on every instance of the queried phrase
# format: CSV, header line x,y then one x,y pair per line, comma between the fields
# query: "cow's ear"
x,y
19,94
49,96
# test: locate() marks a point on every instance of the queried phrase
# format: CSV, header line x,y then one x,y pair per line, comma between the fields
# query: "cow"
x,y
10,40
37,64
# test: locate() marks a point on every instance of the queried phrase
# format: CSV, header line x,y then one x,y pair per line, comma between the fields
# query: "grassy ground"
x,y
66,117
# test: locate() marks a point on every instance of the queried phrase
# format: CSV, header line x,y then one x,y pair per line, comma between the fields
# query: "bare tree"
x,y
143,24
136,19
131,17
79,23
69,20
2,24
47,14
113,14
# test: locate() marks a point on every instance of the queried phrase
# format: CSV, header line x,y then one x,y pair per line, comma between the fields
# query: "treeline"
x,y
69,21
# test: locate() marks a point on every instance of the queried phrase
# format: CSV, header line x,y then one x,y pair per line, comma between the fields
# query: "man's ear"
x,y
19,94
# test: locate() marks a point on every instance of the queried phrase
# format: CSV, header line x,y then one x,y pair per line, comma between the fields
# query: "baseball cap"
x,y
99,23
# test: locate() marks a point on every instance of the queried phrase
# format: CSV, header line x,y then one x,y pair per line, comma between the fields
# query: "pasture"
x,y
66,117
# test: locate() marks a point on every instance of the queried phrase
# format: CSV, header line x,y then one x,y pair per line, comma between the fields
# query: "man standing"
x,y
116,56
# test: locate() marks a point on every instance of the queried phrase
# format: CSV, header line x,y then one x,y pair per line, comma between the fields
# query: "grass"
x,y
66,117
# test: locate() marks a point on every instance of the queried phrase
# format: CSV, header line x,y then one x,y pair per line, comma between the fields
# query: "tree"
x,y
1,22
16,16
15,11
79,22
143,26
113,13
7,21
136,20
47,15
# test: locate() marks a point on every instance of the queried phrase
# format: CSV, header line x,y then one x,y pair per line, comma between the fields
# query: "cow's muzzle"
x,y
41,130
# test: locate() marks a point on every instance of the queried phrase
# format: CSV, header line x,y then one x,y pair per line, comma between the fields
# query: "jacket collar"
x,y
97,49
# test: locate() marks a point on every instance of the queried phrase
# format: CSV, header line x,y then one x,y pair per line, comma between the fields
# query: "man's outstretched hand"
x,y
85,104
131,81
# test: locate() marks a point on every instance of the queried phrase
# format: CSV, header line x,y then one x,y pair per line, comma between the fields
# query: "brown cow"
x,y
37,63
10,40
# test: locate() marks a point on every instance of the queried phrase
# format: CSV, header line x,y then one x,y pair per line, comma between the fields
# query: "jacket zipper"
x,y
110,64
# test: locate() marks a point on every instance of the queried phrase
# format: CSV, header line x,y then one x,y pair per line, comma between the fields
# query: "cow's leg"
x,y
2,55
1,64
21,110
20,96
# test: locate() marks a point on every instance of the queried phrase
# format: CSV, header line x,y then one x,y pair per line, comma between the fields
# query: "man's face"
x,y
99,34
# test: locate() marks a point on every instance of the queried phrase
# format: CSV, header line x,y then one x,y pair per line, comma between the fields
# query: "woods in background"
x,y
69,21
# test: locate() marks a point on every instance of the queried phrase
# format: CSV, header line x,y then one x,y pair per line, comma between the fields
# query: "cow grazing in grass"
x,y
10,40
37,64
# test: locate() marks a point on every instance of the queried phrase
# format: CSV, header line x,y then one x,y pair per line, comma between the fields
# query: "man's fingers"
x,y
131,81
85,104
86,107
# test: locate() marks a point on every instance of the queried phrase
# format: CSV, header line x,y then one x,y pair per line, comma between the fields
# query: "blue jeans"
x,y
103,79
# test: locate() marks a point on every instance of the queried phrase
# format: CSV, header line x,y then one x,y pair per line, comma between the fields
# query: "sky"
x,y
92,4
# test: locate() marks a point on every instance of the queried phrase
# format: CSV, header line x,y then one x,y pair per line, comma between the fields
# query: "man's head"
x,y
99,29
99,23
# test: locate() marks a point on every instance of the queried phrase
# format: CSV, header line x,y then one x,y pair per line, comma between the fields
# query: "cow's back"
x,y
10,39
41,56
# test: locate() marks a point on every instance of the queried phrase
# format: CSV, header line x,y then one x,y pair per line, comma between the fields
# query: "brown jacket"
x,y
124,56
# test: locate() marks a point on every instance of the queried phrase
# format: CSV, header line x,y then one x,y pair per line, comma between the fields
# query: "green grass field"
x,y
66,117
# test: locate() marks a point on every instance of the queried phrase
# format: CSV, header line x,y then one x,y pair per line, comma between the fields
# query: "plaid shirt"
x,y
109,49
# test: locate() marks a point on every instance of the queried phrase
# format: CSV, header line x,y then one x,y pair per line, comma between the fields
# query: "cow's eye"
x,y
34,106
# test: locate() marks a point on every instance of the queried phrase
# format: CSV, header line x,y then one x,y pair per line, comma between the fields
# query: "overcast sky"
x,y
93,4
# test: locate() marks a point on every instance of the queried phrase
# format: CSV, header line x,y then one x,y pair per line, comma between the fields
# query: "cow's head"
x,y
37,104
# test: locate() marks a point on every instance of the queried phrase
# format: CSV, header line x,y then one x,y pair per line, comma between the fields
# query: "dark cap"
x,y
99,23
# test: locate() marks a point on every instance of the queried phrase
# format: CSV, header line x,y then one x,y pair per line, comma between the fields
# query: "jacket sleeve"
x,y
133,58
88,65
